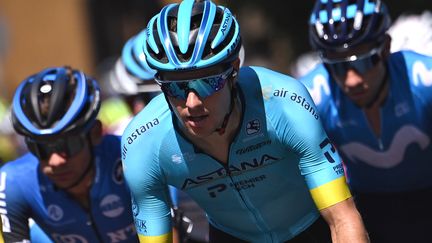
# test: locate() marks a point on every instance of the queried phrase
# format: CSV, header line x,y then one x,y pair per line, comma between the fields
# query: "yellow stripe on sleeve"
x,y
330,193
165,238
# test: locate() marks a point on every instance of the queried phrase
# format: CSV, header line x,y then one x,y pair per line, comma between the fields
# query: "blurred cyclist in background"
x,y
237,141
71,183
376,108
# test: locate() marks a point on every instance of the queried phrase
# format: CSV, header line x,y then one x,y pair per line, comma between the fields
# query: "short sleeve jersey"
x,y
28,193
398,160
280,156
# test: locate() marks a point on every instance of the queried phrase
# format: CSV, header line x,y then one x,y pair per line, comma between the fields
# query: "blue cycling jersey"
x,y
278,158
400,158
28,193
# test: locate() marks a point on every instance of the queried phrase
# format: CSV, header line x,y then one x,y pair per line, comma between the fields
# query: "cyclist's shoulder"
x,y
413,66
22,165
318,74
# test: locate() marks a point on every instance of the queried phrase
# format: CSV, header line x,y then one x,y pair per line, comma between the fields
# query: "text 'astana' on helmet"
x,y
341,24
55,101
192,35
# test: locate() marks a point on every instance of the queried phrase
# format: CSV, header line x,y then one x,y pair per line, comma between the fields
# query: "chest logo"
x,y
55,212
253,127
421,74
111,206
404,137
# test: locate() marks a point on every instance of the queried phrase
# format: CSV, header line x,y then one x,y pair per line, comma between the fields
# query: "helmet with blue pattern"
x,y
192,35
341,24
54,102
131,74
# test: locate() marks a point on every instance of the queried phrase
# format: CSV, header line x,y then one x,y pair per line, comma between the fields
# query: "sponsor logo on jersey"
x,y
122,235
70,238
111,206
404,137
238,185
141,225
3,211
253,147
117,175
135,208
55,212
255,163
421,74
138,132
301,100
253,127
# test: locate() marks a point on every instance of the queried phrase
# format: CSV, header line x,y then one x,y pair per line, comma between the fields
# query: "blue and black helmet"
x,y
192,35
341,24
55,101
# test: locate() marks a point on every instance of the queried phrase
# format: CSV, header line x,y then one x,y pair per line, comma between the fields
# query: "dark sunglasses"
x,y
203,87
360,63
68,147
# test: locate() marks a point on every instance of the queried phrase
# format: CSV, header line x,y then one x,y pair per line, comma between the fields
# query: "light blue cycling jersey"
x,y
278,158
27,193
400,159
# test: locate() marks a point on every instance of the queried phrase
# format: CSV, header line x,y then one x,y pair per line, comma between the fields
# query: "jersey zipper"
x,y
92,221
260,224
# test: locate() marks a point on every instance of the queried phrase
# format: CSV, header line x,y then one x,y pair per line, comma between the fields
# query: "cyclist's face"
x,y
362,83
202,116
65,170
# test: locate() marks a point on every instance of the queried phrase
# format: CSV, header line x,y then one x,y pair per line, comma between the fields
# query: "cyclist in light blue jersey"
x,y
71,183
377,109
246,144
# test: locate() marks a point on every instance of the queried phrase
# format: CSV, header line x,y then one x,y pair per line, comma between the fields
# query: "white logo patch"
x,y
111,206
421,74
394,155
55,212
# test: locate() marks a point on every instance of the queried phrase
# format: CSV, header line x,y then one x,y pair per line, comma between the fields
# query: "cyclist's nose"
x,y
353,79
193,100
56,160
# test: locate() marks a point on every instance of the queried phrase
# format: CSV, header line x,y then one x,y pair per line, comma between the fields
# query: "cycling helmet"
x,y
192,35
55,101
340,24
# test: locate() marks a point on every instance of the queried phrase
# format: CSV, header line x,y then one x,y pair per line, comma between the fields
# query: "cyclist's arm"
x,y
150,196
319,163
14,212
345,222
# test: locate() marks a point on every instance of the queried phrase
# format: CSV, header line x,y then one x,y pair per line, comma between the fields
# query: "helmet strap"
x,y
222,128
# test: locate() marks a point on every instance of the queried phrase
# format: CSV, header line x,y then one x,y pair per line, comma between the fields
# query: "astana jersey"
x,y
281,165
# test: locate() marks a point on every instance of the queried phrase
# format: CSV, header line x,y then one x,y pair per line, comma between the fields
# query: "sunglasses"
x,y
360,63
203,87
68,147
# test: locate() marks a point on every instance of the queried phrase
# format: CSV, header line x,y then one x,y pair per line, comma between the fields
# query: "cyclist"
x,y
252,155
376,107
71,184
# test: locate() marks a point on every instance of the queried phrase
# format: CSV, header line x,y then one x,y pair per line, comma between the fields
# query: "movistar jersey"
x,y
280,156
28,193
400,158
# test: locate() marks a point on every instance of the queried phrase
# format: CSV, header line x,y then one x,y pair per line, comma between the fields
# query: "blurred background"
x,y
89,35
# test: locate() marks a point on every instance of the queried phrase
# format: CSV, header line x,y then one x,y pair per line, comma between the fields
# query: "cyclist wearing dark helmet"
x,y
252,155
71,182
376,108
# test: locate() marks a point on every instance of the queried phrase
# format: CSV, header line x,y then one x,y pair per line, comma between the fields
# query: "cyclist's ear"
x,y
96,133
387,45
